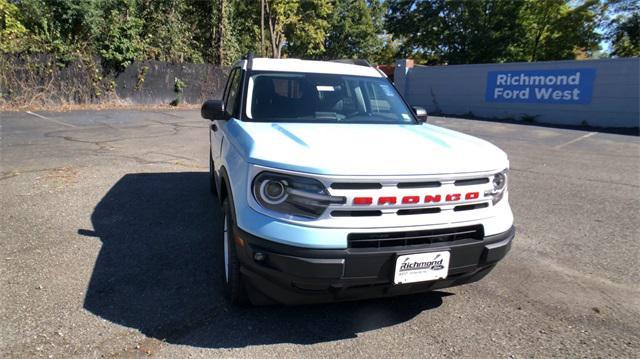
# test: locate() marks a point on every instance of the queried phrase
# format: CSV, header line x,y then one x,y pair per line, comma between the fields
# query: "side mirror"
x,y
421,113
212,110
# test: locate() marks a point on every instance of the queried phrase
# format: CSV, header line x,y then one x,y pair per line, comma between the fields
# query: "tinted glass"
x,y
231,106
225,95
294,97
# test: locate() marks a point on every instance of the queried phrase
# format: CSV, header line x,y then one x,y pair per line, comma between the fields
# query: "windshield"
x,y
306,97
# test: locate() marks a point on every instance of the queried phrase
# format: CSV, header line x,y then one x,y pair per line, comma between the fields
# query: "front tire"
x,y
235,290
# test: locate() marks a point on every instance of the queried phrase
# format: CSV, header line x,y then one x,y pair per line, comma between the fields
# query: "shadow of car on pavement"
x,y
158,272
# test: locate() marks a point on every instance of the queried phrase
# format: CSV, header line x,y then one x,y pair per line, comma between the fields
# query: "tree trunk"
x,y
261,27
221,33
272,31
280,46
536,44
213,39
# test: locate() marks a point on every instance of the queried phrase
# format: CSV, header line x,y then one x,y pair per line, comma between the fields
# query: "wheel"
x,y
235,289
212,178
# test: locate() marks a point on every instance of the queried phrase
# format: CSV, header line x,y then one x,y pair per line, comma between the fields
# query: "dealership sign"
x,y
567,86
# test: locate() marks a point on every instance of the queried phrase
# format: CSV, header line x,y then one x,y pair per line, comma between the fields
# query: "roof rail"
x,y
359,62
249,58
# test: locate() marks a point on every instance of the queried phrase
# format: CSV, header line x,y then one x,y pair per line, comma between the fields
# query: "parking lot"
x,y
107,250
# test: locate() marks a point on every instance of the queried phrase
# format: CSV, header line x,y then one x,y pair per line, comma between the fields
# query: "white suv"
x,y
333,188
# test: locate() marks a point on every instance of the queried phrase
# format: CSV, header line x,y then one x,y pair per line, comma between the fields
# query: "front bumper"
x,y
294,275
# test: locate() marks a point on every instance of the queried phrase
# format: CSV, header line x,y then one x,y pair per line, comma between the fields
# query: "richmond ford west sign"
x,y
566,86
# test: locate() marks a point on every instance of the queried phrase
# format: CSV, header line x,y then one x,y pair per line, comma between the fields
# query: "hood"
x,y
364,149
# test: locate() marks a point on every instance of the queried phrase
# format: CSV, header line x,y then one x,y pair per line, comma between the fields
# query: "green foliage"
x,y
354,30
281,16
231,47
554,30
456,31
483,31
325,29
179,85
305,33
36,27
387,53
221,31
625,35
166,34
118,40
12,31
246,26
178,88
227,29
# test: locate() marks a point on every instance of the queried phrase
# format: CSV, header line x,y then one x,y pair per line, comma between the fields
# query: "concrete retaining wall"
x,y
153,82
610,99
41,79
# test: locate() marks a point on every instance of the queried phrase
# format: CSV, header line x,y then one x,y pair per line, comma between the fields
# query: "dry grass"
x,y
96,107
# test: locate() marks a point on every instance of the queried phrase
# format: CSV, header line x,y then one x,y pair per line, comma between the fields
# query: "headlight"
x,y
273,191
499,186
292,195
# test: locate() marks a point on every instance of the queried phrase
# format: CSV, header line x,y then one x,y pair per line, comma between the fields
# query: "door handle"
x,y
214,127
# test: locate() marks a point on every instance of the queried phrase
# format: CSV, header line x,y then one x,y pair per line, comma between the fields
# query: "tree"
x,y
60,27
623,27
387,53
455,31
280,14
306,35
12,31
246,33
554,30
626,36
166,33
494,30
118,40
214,31
354,30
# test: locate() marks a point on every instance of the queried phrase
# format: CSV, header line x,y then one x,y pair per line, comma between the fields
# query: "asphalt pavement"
x,y
106,250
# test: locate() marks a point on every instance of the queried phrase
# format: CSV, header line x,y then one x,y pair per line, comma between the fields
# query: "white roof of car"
x,y
321,67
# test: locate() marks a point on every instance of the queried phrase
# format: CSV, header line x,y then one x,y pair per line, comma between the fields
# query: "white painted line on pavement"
x,y
575,140
50,119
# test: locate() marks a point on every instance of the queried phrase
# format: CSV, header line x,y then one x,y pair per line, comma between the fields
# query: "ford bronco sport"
x,y
333,188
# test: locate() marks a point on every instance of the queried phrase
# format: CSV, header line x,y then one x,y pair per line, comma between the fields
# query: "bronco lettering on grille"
x,y
451,197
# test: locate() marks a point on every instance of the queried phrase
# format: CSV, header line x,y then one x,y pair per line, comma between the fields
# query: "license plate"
x,y
421,267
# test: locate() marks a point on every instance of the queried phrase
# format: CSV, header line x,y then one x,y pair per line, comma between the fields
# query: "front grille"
x,y
468,207
376,213
405,212
372,213
413,238
472,181
419,184
348,185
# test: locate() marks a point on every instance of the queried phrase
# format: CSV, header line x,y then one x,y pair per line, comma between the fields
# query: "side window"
x,y
233,96
225,94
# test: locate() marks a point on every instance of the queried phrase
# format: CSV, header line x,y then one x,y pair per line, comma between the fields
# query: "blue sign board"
x,y
566,86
